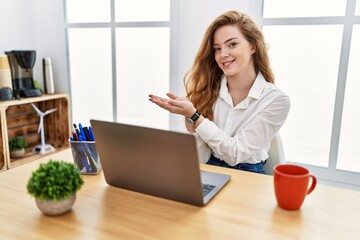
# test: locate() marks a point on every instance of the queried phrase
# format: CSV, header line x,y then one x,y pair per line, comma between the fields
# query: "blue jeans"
x,y
256,168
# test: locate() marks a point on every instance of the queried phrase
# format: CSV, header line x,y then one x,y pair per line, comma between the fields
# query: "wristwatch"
x,y
194,117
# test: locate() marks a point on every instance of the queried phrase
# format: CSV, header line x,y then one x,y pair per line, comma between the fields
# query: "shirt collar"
x,y
255,90
257,87
224,91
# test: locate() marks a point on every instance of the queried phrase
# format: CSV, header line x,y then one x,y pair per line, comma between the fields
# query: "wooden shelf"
x,y
18,118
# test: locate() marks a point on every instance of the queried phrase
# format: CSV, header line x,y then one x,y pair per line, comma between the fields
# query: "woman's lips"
x,y
227,63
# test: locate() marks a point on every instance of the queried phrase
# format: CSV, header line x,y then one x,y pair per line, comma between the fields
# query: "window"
x,y
85,11
349,148
314,51
143,67
304,8
129,11
91,85
306,68
118,54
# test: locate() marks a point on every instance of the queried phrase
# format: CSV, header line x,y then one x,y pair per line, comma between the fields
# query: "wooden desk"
x,y
245,209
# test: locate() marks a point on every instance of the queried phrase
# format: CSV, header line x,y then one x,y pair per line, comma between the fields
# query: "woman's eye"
x,y
232,45
217,49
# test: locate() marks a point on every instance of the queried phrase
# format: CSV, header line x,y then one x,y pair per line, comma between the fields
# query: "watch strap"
x,y
195,116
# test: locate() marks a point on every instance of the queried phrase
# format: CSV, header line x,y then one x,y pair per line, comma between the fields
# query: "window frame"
x,y
113,25
331,175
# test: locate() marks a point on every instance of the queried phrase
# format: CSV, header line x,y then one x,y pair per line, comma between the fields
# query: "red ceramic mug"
x,y
291,184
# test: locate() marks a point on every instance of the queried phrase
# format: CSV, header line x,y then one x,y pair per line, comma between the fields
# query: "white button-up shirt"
x,y
242,133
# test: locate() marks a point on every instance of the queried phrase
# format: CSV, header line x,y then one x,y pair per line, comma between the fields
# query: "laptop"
x,y
156,162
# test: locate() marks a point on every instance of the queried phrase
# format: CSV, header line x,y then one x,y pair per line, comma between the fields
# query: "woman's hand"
x,y
174,104
177,105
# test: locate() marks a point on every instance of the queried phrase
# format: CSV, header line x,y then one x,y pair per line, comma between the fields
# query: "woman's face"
x,y
233,53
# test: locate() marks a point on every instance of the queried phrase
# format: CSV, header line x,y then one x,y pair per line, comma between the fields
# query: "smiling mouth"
x,y
225,64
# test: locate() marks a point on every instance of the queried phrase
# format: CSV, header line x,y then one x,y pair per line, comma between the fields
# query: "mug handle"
x,y
313,184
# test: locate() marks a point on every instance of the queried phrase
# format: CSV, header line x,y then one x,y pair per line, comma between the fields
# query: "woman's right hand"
x,y
174,104
178,105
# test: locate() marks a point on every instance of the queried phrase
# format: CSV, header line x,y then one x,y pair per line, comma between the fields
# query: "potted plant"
x,y
17,147
54,185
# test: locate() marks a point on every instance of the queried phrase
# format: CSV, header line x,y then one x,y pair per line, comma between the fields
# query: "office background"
x,y
41,25
318,72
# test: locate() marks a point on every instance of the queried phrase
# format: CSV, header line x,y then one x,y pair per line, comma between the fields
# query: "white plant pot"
x,y
54,208
17,153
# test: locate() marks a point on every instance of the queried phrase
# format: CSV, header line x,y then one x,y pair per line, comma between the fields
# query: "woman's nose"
x,y
224,53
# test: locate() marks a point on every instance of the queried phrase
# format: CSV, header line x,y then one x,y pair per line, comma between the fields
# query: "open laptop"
x,y
156,162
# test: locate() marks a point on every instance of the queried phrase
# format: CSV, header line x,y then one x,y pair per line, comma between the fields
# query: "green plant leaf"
x,y
17,143
55,180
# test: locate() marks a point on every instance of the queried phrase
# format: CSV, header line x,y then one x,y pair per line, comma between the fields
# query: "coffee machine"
x,y
21,64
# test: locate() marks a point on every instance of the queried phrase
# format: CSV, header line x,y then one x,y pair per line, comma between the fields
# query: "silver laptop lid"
x,y
152,161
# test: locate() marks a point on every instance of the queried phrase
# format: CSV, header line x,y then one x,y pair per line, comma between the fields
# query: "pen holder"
x,y
86,157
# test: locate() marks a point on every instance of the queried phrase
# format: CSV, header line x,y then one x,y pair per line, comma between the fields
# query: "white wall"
x,y
36,25
15,25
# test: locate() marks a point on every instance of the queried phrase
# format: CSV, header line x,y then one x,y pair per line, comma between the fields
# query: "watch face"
x,y
188,120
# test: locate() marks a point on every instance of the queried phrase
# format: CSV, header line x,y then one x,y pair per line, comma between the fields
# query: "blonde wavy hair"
x,y
202,82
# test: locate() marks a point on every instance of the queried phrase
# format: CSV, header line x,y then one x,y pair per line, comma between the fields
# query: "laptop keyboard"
x,y
207,188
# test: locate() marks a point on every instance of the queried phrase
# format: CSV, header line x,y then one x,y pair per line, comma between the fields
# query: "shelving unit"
x,y
18,118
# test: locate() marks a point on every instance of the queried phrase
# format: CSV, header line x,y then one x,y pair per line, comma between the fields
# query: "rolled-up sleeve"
x,y
203,149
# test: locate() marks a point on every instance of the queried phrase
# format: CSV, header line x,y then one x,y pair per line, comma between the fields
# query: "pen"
x,y
87,135
82,132
76,130
91,134
74,136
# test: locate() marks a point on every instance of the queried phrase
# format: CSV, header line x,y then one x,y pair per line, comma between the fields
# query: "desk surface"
x,y
245,209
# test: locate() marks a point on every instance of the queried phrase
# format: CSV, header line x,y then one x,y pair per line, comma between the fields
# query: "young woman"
x,y
232,105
